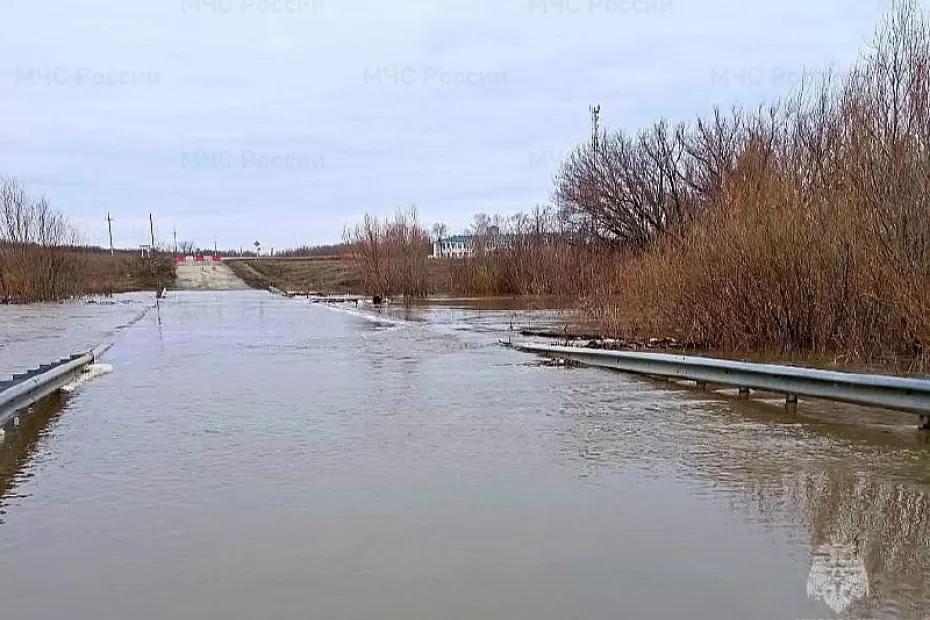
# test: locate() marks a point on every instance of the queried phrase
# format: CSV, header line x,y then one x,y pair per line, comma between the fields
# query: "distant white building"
x,y
456,246
462,246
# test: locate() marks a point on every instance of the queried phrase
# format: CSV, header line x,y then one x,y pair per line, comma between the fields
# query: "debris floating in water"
x,y
91,371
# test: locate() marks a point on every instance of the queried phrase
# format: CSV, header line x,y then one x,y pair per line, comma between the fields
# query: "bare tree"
x,y
391,255
32,235
440,231
628,190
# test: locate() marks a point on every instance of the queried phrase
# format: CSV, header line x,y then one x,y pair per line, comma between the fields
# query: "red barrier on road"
x,y
199,258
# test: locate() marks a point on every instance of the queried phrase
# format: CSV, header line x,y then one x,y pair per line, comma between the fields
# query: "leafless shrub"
x,y
809,223
391,255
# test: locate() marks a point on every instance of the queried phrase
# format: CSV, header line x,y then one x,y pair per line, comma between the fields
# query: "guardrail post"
x,y
925,422
791,402
744,392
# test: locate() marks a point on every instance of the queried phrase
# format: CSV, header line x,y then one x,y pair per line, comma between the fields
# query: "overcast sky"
x,y
285,120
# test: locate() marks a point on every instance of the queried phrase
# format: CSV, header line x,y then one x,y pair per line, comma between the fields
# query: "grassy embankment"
x,y
327,275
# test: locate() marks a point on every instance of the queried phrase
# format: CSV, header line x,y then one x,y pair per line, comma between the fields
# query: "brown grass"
x,y
100,273
59,273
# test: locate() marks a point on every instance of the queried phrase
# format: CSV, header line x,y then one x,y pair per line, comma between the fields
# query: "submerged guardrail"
x,y
887,392
27,388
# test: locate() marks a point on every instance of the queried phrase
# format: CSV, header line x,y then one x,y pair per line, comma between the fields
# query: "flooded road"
x,y
38,333
258,457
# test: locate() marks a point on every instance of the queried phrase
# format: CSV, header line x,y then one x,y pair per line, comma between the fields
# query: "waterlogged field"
x,y
255,456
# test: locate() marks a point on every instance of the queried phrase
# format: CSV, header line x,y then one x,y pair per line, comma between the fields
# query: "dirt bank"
x,y
325,274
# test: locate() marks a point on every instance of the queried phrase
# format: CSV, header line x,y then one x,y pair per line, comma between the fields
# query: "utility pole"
x,y
152,266
214,247
110,229
175,232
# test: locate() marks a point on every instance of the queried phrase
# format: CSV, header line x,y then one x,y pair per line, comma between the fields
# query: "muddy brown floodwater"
x,y
252,456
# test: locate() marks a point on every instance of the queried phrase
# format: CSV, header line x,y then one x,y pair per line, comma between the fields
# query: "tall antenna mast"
x,y
110,229
595,126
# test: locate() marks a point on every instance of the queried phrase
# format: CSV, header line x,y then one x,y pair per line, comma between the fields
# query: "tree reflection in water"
x,y
20,443
855,496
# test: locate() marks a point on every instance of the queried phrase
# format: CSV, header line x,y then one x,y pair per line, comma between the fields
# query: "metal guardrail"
x,y
887,392
27,388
